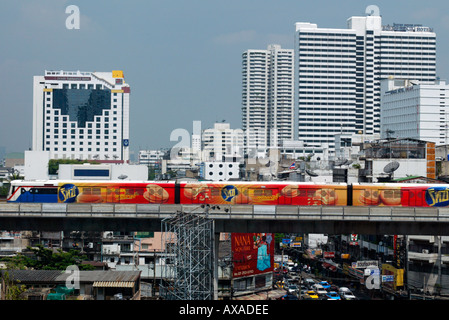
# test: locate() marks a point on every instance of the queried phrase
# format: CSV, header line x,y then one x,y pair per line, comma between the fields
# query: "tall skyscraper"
x,y
81,115
338,73
267,96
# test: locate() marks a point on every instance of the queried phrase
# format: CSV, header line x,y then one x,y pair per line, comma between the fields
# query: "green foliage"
x,y
151,173
4,189
12,290
47,259
53,164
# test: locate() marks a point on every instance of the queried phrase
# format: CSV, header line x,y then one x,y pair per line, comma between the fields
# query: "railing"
x,y
251,212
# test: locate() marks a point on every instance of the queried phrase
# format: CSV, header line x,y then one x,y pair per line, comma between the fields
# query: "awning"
x,y
329,266
113,284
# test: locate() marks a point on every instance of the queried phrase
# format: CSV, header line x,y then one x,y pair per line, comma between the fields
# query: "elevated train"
x,y
235,192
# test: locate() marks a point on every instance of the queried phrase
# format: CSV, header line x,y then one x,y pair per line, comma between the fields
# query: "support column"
x,y
216,236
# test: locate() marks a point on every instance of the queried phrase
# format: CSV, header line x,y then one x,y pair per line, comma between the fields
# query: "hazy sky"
x,y
182,58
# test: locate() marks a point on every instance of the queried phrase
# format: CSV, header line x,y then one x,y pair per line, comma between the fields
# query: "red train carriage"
x,y
238,192
263,193
404,195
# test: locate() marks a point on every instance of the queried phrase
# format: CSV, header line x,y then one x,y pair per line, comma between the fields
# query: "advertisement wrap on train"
x,y
231,193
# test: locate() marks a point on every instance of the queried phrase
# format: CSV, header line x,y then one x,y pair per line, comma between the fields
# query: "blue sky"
x,y
182,58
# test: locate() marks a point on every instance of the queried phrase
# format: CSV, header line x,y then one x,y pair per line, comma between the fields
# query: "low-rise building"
x,y
75,285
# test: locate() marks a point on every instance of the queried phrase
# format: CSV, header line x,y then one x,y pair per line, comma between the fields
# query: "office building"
x,y
410,109
338,73
267,96
221,142
82,115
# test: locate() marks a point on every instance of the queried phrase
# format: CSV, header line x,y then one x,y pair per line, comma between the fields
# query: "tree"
x,y
47,259
10,289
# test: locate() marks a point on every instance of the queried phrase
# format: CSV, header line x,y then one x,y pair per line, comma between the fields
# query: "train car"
x,y
400,194
180,192
263,193
81,191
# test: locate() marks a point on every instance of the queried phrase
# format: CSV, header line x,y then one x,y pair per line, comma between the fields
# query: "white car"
x,y
346,294
319,289
308,282
292,289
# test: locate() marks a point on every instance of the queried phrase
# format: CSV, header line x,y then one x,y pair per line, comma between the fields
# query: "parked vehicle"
x,y
332,295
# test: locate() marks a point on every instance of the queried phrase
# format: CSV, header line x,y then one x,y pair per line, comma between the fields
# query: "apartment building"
x,y
338,73
267,96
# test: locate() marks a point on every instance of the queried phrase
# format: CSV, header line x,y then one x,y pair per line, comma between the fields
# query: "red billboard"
x,y
253,253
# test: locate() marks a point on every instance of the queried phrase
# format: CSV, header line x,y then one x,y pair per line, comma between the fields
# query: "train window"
x,y
392,193
48,190
311,193
302,193
87,190
139,191
96,190
215,192
262,192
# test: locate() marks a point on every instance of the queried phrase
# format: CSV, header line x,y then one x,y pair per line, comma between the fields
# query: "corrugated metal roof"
x,y
34,276
114,284
60,276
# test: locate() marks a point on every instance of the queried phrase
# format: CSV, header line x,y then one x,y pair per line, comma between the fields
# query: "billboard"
x,y
253,253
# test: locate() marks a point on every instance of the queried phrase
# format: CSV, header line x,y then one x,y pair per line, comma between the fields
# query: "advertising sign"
x,y
365,264
253,253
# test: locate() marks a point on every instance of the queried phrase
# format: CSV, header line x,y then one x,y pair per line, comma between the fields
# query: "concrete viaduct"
x,y
235,218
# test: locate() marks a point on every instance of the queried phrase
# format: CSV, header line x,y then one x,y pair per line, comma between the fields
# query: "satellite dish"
x,y
340,162
391,167
122,176
311,173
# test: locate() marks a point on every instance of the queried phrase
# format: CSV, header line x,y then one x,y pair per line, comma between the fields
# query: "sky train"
x,y
235,192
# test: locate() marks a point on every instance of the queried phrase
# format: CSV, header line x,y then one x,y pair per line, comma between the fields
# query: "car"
x,y
308,282
312,294
325,284
289,297
346,294
334,288
319,289
292,289
303,295
332,295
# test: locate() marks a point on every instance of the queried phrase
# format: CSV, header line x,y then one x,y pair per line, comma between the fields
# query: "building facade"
x,y
267,96
338,73
414,110
221,142
81,115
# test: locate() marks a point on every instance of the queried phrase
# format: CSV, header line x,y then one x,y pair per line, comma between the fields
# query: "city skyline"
x,y
182,60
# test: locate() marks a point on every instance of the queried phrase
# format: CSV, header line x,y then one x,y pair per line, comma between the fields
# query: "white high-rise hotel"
x,y
81,115
267,96
338,73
